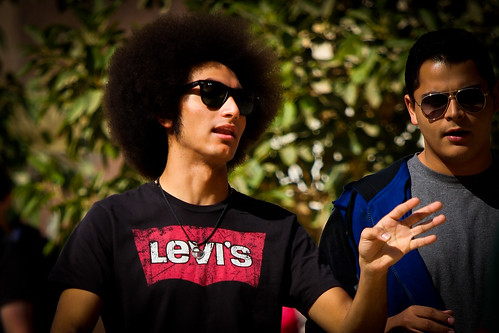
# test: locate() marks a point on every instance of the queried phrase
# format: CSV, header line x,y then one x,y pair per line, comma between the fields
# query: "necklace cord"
x,y
181,225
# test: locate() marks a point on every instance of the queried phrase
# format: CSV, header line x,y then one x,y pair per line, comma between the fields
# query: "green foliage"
x,y
59,120
11,104
342,69
343,115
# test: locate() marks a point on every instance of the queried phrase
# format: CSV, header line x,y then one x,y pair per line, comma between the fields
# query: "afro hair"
x,y
147,76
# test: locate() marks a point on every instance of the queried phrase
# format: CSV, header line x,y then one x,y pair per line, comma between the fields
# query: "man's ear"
x,y
410,105
166,123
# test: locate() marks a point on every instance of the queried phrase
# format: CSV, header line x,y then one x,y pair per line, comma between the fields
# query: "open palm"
x,y
391,238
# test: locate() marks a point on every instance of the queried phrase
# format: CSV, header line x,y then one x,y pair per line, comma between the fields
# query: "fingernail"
x,y
451,320
385,236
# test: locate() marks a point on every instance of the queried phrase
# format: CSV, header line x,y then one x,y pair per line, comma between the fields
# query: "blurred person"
x,y
452,96
185,252
23,269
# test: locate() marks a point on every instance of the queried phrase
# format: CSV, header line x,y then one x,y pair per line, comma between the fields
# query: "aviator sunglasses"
x,y
471,100
214,94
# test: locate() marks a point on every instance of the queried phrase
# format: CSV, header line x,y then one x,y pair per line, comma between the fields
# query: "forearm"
x,y
369,308
335,312
77,311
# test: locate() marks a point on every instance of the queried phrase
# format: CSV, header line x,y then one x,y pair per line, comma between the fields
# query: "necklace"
x,y
195,246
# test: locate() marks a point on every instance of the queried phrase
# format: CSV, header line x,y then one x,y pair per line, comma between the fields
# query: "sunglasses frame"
x,y
452,95
236,93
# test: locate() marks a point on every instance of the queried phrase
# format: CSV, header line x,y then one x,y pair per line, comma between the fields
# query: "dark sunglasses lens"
x,y
244,100
214,94
471,100
433,106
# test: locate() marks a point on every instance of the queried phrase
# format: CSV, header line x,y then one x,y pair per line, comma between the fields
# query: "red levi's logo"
x,y
229,255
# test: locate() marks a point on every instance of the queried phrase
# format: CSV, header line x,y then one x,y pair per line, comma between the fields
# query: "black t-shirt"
x,y
130,251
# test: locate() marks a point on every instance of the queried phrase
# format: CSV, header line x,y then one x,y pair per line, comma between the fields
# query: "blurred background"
x,y
343,116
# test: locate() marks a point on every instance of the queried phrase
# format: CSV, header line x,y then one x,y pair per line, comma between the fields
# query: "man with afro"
x,y
185,252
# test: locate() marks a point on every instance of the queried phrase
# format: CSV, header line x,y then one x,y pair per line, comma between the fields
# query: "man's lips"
x,y
457,132
456,135
225,130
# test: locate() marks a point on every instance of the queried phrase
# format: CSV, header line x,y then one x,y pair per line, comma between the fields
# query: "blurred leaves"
x,y
342,67
68,161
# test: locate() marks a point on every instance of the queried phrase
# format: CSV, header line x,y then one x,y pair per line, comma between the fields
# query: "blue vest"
x,y
365,202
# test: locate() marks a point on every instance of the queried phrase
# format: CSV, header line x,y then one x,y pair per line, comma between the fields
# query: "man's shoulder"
x,y
142,191
256,206
370,185
129,202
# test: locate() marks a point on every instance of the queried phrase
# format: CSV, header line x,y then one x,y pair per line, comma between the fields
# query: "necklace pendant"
x,y
197,253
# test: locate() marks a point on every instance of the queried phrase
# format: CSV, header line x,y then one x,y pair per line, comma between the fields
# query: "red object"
x,y
289,322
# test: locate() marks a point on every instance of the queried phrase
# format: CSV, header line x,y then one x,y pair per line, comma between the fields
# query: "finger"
x,y
401,209
424,227
417,318
376,232
444,317
416,243
431,320
422,213
429,326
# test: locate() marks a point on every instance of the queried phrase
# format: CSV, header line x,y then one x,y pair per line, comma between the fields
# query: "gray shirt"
x,y
459,261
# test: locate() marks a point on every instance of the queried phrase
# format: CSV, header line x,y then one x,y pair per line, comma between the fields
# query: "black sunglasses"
x,y
470,100
214,94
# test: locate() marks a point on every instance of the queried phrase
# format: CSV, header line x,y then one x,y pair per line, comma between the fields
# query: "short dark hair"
x,y
147,75
451,45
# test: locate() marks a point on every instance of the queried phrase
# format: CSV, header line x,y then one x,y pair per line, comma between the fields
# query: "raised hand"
x,y
391,238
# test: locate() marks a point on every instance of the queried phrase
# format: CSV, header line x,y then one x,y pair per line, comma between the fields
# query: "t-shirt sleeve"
x,y
86,259
310,277
336,250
